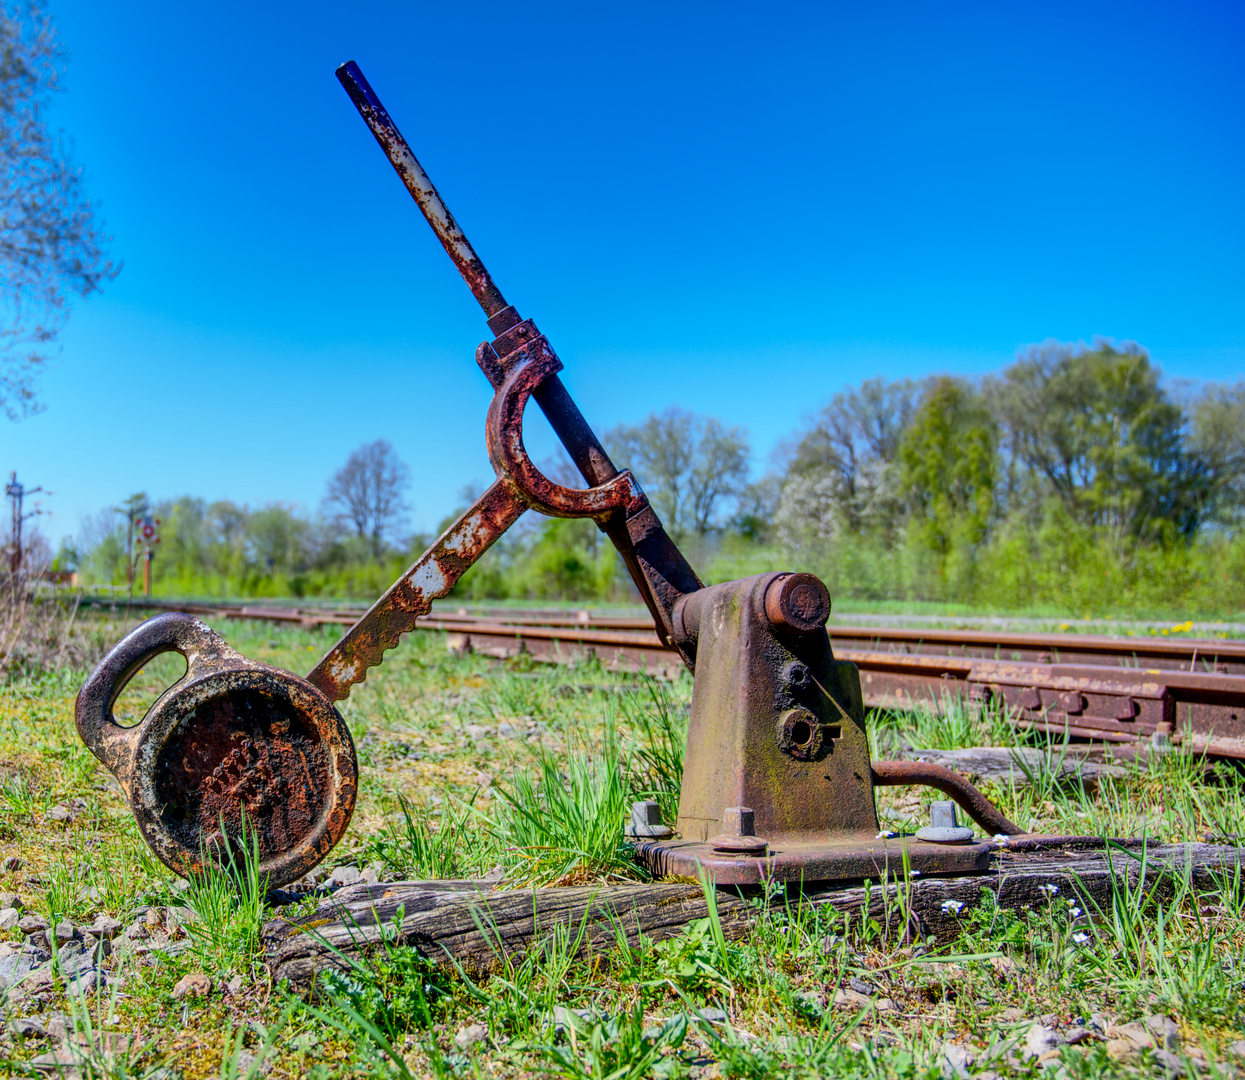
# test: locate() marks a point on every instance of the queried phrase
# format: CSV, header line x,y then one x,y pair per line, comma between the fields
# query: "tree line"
x,y
1073,479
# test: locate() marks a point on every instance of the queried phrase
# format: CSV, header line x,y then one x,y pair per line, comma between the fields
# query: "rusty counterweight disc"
x,y
233,745
244,756
254,745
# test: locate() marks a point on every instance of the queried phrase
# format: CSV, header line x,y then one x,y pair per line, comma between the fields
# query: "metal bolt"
x,y
739,821
739,833
944,826
797,675
646,821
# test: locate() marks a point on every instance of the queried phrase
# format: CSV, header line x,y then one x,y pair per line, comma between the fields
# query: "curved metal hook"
x,y
504,433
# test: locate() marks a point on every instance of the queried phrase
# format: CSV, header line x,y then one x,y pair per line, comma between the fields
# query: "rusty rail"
x,y
1115,702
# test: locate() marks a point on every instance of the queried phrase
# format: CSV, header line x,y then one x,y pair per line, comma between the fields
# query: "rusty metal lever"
x,y
658,568
452,238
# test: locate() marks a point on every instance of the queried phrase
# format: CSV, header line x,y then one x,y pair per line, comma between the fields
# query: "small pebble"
x,y
1040,1041
65,931
11,899
11,863
468,1036
9,918
28,1027
1121,1050
194,985
344,875
60,812
58,1026
1165,1030
1134,1034
955,1060
105,926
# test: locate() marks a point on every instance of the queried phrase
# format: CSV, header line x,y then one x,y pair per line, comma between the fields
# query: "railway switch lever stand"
x,y
778,784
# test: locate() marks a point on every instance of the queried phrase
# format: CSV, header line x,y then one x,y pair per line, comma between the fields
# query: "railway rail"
x,y
1116,689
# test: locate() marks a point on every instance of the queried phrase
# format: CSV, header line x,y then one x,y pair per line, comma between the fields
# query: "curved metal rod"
x,y
978,807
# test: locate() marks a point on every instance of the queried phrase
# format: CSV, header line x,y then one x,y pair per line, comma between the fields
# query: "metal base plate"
x,y
847,859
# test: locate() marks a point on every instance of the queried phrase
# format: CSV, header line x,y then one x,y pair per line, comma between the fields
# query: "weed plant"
x,y
561,821
227,901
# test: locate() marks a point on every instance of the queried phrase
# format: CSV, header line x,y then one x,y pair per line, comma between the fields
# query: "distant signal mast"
x,y
147,536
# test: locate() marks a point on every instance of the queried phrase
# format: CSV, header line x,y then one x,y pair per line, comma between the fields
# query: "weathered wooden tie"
x,y
473,924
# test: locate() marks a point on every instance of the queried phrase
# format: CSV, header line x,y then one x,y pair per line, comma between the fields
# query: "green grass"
x,y
227,902
469,765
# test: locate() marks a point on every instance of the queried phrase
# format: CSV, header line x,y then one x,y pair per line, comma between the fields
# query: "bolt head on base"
x,y
739,833
943,827
646,821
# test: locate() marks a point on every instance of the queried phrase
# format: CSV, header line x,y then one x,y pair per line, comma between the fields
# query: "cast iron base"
x,y
846,859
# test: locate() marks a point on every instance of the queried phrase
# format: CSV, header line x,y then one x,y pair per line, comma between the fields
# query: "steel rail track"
x,y
1116,689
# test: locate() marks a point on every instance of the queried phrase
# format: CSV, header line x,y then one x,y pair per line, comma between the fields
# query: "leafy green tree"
x,y
569,560
1094,428
947,460
1217,447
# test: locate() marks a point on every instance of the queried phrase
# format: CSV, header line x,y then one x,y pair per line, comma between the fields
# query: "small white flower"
x,y
1075,912
1001,838
1049,890
952,907
1080,938
914,873
883,835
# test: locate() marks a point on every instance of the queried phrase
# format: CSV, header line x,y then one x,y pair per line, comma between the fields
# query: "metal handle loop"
x,y
172,631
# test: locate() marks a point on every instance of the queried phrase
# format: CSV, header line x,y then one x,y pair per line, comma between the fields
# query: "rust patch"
x,y
248,754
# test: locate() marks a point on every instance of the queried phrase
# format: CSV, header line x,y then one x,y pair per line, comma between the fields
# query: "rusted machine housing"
x,y
777,781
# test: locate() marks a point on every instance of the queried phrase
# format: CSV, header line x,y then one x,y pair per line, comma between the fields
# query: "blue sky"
x,y
733,208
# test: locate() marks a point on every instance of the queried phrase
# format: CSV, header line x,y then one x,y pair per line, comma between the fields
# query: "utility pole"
x,y
17,493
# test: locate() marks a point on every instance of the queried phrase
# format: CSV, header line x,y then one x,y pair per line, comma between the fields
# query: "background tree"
x,y
1095,428
840,477
1217,447
51,246
947,466
691,467
367,492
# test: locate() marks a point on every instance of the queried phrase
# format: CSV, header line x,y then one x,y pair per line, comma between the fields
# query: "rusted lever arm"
x,y
656,565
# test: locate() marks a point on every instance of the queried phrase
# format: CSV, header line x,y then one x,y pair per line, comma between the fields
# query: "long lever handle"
x,y
564,416
422,190
656,565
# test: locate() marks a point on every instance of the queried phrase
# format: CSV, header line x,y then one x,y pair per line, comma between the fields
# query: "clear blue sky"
x,y
733,208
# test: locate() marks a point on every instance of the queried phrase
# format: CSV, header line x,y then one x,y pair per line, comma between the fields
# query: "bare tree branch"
x,y
367,491
51,247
